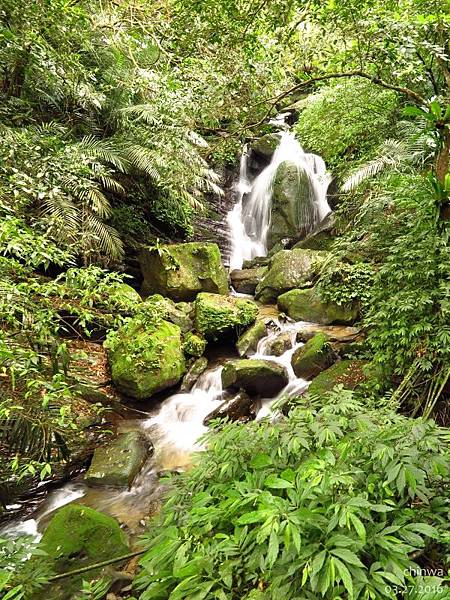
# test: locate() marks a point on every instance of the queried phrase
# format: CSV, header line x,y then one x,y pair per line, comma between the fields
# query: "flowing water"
x,y
176,426
249,221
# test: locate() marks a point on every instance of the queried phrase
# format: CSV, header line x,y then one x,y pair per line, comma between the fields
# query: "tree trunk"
x,y
442,161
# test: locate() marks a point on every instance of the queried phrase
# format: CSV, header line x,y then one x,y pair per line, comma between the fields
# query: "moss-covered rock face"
x,y
313,358
293,205
264,378
122,295
248,342
118,463
245,281
266,145
181,271
145,358
348,373
216,315
306,305
76,537
289,269
194,345
180,314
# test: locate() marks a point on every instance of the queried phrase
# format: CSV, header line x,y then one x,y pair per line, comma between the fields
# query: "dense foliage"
x,y
331,503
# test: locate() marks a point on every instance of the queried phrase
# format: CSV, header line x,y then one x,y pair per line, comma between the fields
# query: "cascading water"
x,y
249,220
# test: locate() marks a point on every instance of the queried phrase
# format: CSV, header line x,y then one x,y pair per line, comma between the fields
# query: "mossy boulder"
x,y
248,341
266,145
180,313
123,296
306,305
244,281
293,210
76,537
264,378
217,315
145,357
321,238
289,269
118,463
181,271
348,373
194,345
313,358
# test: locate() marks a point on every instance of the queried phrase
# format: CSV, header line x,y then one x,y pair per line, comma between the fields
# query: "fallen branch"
x,y
104,563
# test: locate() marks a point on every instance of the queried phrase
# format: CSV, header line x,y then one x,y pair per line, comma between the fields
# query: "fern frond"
x,y
143,159
392,154
105,150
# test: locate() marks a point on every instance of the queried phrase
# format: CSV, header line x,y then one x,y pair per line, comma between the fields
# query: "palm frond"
x,y
105,150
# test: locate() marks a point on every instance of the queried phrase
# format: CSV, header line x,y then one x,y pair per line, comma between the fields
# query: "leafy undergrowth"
x,y
337,501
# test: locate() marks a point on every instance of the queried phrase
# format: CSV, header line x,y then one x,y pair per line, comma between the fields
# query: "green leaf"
x,y
260,461
345,576
348,556
274,482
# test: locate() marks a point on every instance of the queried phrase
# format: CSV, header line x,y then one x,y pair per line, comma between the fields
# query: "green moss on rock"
x,y
194,345
181,271
123,295
289,269
312,358
264,378
348,373
118,463
306,305
266,145
145,357
158,306
216,315
248,341
76,537
195,370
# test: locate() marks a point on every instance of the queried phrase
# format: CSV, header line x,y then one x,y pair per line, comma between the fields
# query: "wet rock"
x,y
217,315
280,344
306,305
266,145
348,373
76,537
258,261
181,271
238,408
194,372
244,281
321,238
289,269
293,208
248,341
145,357
118,463
180,313
264,378
313,358
335,333
194,345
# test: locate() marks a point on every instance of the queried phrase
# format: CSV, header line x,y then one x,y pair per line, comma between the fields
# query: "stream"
x,y
177,423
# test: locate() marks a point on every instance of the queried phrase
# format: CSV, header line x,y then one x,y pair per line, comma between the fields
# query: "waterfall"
x,y
249,220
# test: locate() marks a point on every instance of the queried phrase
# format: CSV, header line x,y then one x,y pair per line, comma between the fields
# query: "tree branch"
x,y
375,80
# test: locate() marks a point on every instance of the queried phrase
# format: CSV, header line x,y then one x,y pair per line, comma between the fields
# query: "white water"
x,y
249,220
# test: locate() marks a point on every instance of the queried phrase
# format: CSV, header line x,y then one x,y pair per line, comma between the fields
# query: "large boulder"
x,y
244,281
289,269
77,537
145,357
264,378
279,344
118,463
181,271
348,373
194,345
293,210
217,315
248,341
313,358
306,305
